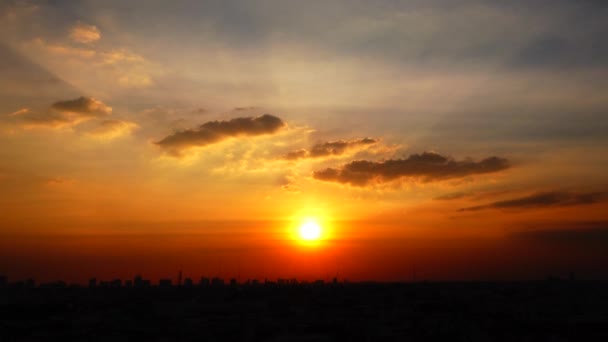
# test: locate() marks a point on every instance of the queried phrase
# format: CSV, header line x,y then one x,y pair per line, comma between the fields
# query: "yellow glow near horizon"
x,y
310,230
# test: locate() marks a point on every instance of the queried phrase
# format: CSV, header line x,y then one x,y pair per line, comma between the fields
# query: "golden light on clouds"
x,y
83,33
110,129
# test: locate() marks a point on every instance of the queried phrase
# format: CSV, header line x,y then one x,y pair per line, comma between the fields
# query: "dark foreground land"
x,y
533,311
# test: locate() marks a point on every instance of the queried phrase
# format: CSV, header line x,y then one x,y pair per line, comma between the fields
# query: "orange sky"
x,y
464,141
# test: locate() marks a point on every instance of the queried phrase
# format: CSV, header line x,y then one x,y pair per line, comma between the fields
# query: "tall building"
x,y
138,281
164,283
217,281
204,281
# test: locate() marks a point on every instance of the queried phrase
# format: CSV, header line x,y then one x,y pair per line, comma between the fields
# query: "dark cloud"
x,y
67,113
84,106
427,167
580,234
50,119
329,148
452,196
297,154
544,199
215,131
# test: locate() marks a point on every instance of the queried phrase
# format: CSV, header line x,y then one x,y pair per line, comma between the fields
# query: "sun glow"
x,y
310,231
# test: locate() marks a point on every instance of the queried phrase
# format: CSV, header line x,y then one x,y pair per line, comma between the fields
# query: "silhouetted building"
x,y
188,282
3,281
217,281
54,285
368,311
233,282
164,283
129,283
93,282
204,281
30,283
17,284
113,284
139,282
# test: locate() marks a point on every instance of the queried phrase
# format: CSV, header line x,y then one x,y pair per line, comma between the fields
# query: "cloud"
x,y
452,196
216,131
62,50
57,181
240,109
544,199
16,10
85,106
134,79
121,55
428,166
117,65
329,148
574,234
21,111
48,119
110,129
85,34
61,114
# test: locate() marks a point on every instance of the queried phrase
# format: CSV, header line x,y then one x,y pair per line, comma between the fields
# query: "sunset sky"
x,y
456,140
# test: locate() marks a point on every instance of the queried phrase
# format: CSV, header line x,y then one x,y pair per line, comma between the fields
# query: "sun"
x,y
310,230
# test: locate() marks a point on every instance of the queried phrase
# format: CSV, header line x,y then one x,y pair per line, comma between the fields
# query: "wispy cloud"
x,y
115,64
110,129
120,55
61,50
576,234
330,148
427,167
20,112
85,34
543,200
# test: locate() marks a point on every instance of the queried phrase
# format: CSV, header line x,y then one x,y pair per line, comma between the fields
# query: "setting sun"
x,y
212,139
310,230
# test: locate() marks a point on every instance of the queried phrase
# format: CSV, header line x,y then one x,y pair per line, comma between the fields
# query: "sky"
x,y
440,140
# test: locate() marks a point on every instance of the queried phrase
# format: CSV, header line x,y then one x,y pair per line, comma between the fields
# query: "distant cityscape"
x,y
140,282
215,309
